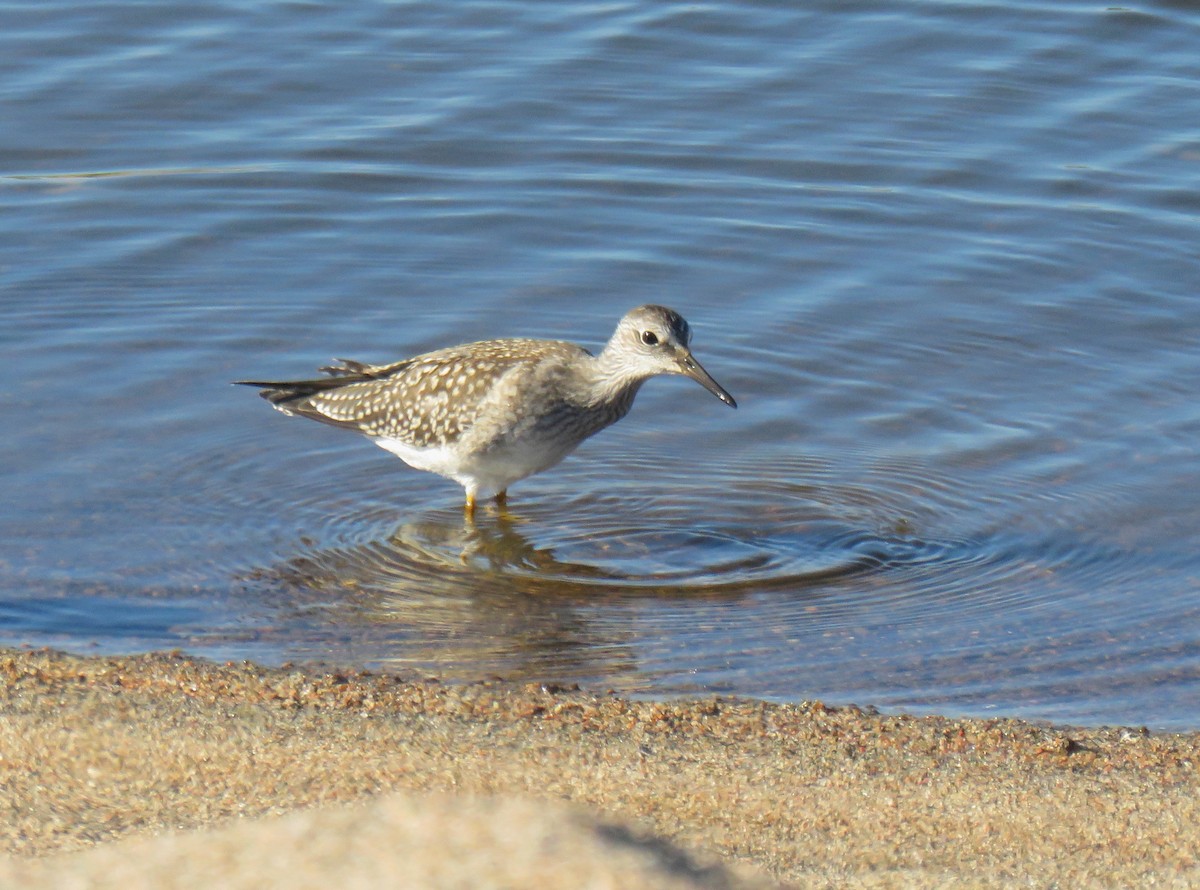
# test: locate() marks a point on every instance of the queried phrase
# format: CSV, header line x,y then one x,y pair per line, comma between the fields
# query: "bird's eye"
x,y
649,338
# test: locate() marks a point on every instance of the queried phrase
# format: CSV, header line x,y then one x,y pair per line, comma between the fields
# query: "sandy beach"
x,y
163,770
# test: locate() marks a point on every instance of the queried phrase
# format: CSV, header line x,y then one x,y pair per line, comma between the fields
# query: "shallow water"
x,y
943,254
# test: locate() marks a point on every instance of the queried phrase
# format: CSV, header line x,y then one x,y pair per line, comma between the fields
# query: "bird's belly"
x,y
481,473
436,459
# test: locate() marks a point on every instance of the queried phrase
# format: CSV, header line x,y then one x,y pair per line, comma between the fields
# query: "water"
x,y
944,255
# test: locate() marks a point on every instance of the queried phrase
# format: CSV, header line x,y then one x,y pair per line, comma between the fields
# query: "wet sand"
x,y
163,770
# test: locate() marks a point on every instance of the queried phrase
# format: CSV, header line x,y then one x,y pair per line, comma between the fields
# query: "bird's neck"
x,y
610,380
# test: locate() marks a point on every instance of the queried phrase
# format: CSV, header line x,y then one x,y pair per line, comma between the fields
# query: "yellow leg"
x,y
469,507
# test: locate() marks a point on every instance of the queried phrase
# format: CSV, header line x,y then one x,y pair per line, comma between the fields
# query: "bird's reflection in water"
x,y
496,595
493,543
463,599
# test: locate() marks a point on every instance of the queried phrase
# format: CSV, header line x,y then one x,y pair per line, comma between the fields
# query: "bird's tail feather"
x,y
281,392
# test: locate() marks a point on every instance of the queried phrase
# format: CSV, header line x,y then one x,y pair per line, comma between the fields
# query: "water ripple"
x,y
808,549
951,289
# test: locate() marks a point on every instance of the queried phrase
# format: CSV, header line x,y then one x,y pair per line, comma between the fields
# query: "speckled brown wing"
x,y
424,401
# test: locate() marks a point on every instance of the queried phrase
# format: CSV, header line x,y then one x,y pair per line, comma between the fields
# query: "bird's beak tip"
x,y
692,368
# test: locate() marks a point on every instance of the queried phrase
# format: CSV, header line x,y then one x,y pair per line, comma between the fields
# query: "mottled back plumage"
x,y
487,414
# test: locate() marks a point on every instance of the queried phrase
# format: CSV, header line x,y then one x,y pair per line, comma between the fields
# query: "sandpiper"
x,y
491,413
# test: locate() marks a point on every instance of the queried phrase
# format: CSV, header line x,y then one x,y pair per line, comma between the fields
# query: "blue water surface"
x,y
943,254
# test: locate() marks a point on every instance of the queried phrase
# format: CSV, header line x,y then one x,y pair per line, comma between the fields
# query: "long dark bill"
x,y
689,367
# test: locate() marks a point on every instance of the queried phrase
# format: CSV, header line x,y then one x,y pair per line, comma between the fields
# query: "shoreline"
x,y
98,753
